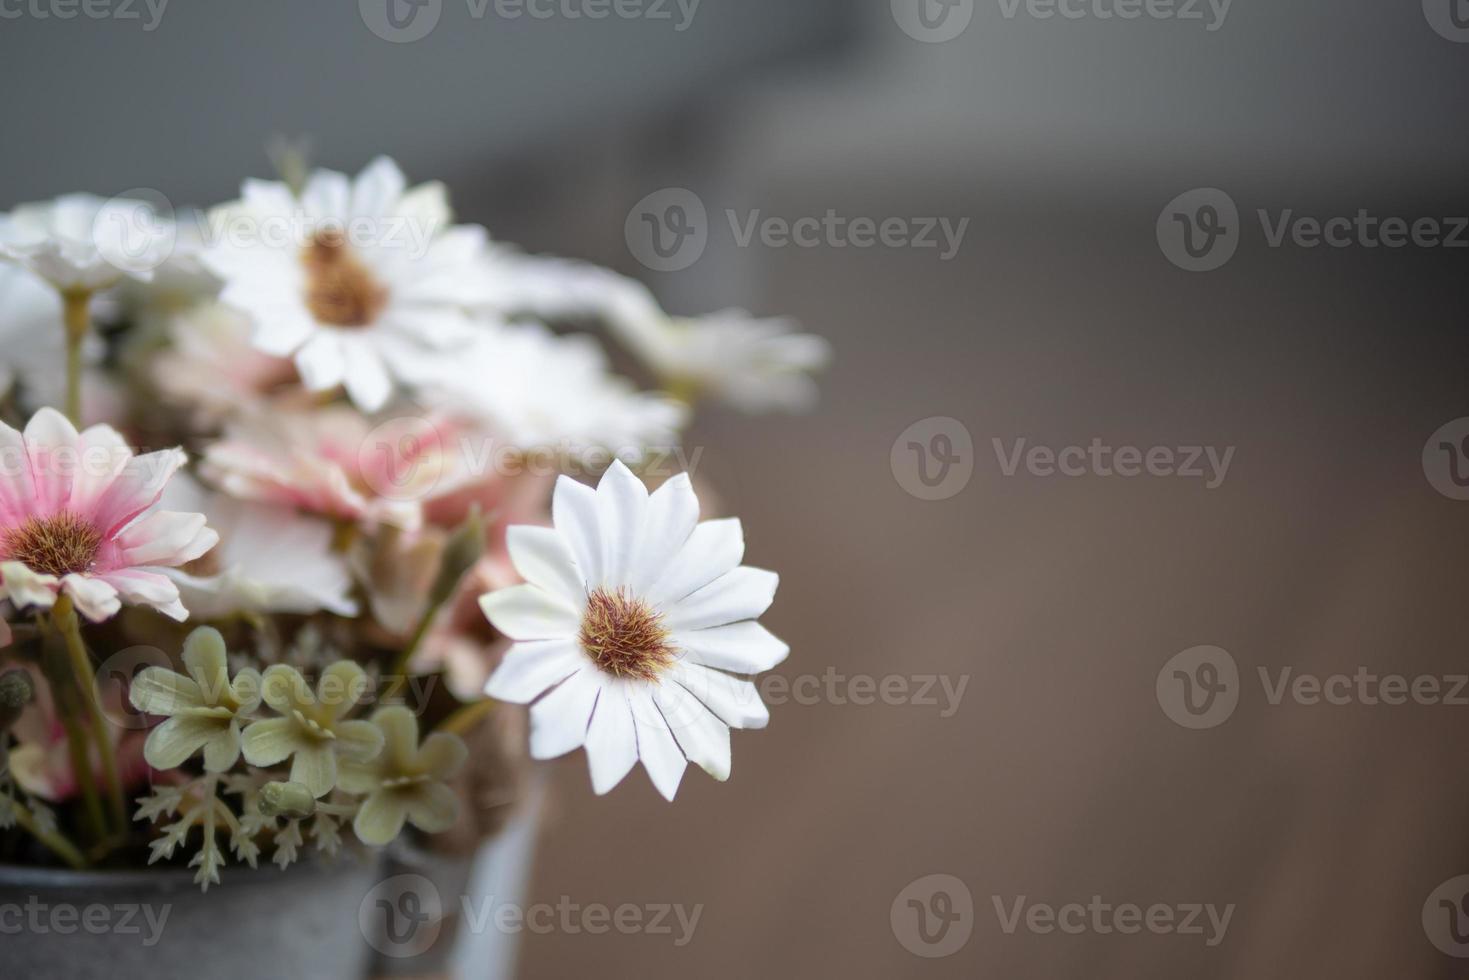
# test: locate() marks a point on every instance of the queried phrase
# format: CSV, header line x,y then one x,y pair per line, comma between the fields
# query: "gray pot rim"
x,y
172,878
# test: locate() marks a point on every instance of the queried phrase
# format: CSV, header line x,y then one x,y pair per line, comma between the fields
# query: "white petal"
x,y
377,189
366,377
712,549
574,511
558,721
612,741
661,755
744,593
322,362
327,194
702,736
542,557
621,502
525,612
736,702
94,598
742,648
528,669
673,510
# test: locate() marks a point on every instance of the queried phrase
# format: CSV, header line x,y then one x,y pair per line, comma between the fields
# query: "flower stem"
x,y
77,305
399,671
465,718
52,839
79,754
65,618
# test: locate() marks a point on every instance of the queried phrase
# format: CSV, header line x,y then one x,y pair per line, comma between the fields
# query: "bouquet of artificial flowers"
x,y
294,491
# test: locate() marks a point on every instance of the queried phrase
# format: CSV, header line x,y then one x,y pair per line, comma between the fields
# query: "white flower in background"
x,y
353,279
79,516
755,365
83,242
268,560
33,340
539,391
631,614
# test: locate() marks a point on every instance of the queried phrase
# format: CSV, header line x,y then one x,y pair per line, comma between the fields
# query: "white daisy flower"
x,y
352,278
81,242
540,391
630,616
268,559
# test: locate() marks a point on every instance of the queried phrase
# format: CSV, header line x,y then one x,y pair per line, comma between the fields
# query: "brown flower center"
x,y
340,290
625,637
59,545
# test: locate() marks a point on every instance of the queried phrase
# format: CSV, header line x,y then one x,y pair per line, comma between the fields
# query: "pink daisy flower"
x,y
336,462
78,517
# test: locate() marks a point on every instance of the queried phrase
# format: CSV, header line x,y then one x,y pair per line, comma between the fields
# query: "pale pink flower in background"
x,y
630,629
41,760
355,279
212,367
78,517
336,462
268,560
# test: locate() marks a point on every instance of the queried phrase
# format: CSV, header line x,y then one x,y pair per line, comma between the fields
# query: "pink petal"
x,y
135,489
104,454
51,446
163,537
16,496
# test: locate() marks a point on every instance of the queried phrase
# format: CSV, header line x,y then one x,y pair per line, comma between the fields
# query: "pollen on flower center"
x,y
61,545
624,636
340,290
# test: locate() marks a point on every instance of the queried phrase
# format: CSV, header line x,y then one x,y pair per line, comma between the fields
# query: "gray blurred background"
x,y
1057,601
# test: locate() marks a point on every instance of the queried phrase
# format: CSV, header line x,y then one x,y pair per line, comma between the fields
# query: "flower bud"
x,y
291,800
463,549
16,691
